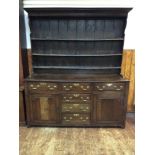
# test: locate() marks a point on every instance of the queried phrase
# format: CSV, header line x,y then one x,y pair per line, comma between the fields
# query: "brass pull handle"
x,y
34,88
76,95
76,115
109,84
66,88
118,89
99,88
76,84
42,83
85,100
85,88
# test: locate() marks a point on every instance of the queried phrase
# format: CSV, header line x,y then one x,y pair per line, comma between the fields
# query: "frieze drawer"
x,y
76,118
43,86
75,107
109,86
85,87
82,98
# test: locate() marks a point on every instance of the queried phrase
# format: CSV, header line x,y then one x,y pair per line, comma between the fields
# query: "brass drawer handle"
x,y
34,88
109,84
76,84
67,88
85,88
67,100
76,115
99,88
76,95
42,83
118,89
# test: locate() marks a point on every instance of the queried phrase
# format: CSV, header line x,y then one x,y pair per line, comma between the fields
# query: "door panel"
x,y
44,108
108,108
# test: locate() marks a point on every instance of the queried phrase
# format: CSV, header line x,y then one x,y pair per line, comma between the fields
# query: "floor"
x,y
78,141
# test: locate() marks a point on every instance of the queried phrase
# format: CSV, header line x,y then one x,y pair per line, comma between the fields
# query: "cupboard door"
x,y
108,107
44,108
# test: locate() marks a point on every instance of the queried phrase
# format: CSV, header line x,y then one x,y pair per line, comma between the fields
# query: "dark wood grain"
x,y
75,64
22,108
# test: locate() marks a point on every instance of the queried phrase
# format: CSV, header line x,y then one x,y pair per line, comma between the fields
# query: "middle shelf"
x,y
76,55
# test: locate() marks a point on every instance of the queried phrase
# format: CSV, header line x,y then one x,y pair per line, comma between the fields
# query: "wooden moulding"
x,y
22,112
128,72
29,54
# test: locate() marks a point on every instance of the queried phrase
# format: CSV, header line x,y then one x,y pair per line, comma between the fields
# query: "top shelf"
x,y
50,39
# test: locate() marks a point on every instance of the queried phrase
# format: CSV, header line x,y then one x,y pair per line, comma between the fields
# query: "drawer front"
x,y
43,86
76,118
75,107
108,86
72,98
84,87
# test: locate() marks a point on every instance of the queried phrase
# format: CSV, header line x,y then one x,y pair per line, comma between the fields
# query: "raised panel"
x,y
44,108
109,107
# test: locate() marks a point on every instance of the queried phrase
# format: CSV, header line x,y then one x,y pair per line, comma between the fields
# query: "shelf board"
x,y
73,67
50,39
76,55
